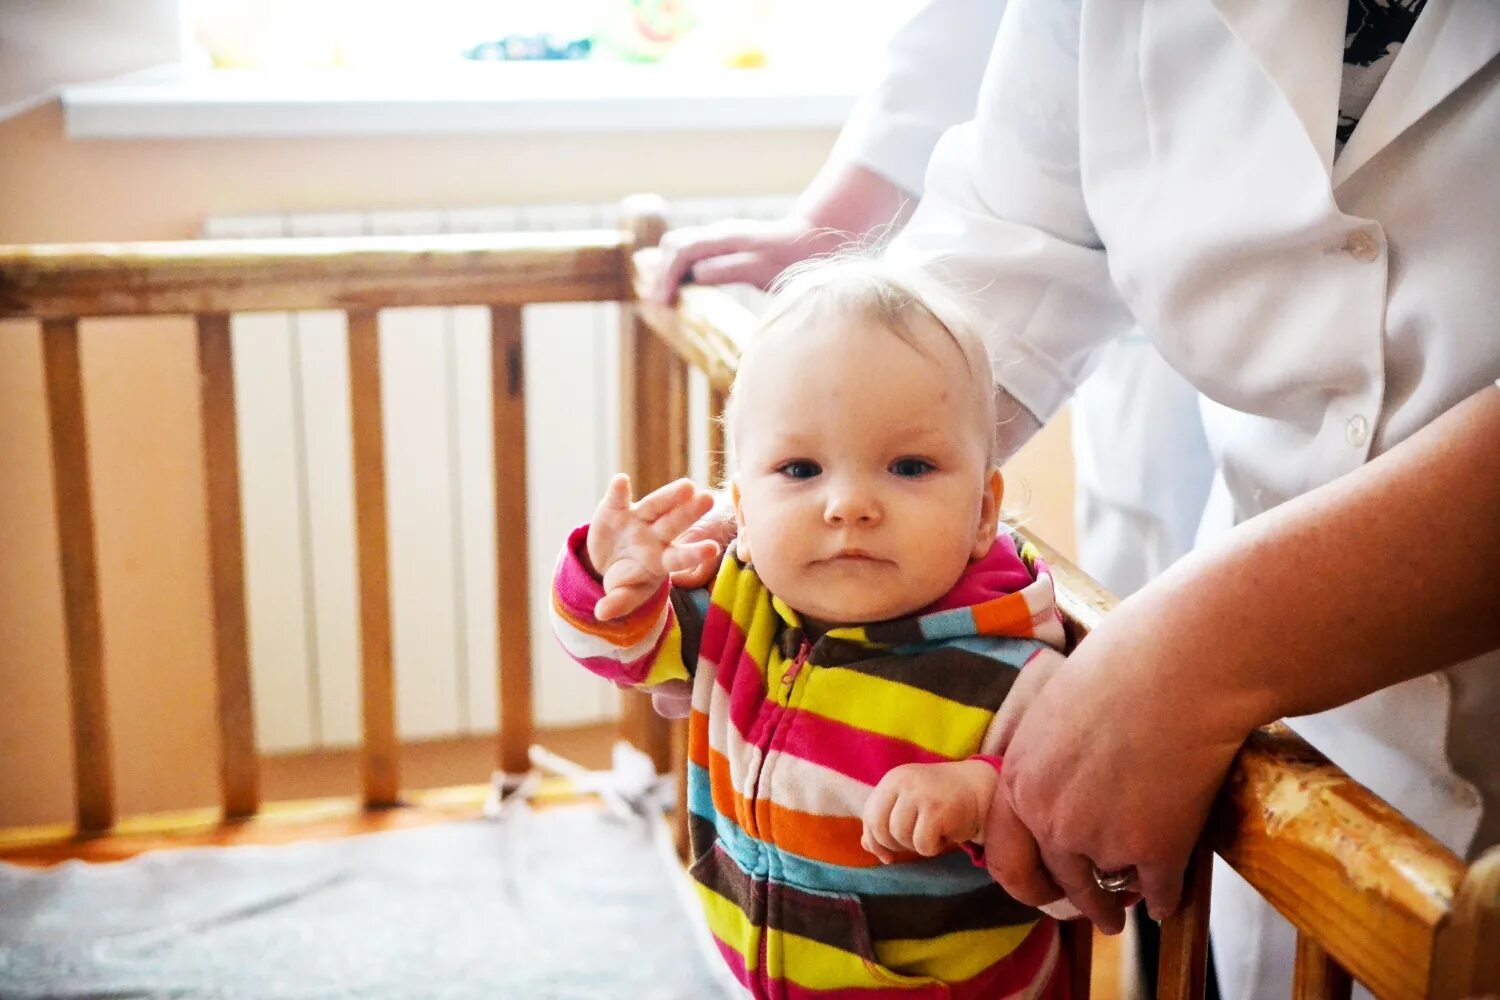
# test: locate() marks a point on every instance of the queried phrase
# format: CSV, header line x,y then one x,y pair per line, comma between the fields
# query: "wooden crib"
x,y
1374,898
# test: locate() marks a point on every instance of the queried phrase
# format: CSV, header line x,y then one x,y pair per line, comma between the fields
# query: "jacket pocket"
x,y
822,940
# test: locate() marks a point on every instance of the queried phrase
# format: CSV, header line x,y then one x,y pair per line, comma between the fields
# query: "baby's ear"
x,y
741,536
989,514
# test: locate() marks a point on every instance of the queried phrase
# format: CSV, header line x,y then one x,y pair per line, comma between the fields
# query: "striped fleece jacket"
x,y
788,739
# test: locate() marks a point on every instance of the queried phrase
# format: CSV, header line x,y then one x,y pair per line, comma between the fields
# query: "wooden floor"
x,y
431,764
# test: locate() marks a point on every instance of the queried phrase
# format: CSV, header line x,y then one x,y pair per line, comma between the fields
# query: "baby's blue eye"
x,y
911,468
799,469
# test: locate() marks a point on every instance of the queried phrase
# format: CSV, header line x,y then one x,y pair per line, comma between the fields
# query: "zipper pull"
x,y
791,673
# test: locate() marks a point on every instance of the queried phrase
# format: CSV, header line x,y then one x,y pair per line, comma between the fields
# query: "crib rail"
x,y
196,277
1374,898
209,280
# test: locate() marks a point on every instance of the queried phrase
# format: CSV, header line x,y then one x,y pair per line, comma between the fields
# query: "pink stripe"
x,y
579,589
1016,971
858,753
716,626
613,670
794,991
735,961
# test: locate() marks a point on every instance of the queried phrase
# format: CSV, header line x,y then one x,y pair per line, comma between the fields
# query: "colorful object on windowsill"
x,y
526,48
646,30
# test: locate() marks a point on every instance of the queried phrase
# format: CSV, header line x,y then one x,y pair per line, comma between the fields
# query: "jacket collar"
x,y
1451,41
1299,44
1007,593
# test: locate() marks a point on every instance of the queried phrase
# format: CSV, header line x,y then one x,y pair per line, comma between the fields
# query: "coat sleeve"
x,y
1004,220
933,66
657,642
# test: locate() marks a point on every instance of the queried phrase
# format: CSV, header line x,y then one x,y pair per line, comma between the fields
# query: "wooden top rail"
x,y
361,273
1378,893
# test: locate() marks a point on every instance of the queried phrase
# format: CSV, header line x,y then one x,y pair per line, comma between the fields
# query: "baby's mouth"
x,y
854,556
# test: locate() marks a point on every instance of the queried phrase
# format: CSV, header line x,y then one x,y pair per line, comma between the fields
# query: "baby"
x,y
849,659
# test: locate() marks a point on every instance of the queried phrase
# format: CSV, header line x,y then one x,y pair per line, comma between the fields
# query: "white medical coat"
x,y
1143,466
1170,163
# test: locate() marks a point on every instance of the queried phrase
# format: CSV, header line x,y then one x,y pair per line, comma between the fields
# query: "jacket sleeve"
x,y
1004,220
657,642
933,66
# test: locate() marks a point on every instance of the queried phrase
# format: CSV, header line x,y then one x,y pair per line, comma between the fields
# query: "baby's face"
x,y
863,486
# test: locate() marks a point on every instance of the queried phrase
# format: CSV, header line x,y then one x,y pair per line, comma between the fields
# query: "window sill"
x,y
485,98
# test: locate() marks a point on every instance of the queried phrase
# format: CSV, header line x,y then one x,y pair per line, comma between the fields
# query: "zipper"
x,y
790,675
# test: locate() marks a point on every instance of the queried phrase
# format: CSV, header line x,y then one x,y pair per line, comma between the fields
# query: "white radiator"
x,y
291,380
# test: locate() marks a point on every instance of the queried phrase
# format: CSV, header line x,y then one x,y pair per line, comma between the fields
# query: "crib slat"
x,y
1466,959
381,764
511,554
1183,969
1078,953
718,458
1317,976
653,441
92,765
679,738
239,769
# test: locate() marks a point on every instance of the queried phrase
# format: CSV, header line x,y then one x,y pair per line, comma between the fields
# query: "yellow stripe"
x,y
954,957
740,594
896,710
668,664
730,925
820,966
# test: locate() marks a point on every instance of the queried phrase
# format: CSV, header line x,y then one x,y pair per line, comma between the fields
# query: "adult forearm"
x,y
1386,574
849,198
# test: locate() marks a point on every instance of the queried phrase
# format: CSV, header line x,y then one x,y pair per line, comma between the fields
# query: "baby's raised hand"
x,y
927,808
633,546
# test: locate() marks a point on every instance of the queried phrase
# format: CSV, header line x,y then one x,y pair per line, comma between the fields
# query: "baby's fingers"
x,y
876,837
690,557
663,500
680,518
621,601
617,493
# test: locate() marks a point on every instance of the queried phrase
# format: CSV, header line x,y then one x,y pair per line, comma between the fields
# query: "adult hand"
x,y
1114,764
738,250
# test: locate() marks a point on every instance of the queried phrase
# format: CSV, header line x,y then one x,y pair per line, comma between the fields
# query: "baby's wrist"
x,y
982,774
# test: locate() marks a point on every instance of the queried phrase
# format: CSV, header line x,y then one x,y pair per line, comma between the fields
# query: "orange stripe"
x,y
726,801
830,839
698,739
1008,615
623,632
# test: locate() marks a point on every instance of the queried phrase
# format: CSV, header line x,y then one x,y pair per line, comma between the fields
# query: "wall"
x,y
49,43
140,387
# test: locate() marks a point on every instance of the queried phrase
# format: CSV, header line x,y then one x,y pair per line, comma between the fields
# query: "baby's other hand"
x,y
673,699
717,526
927,808
633,546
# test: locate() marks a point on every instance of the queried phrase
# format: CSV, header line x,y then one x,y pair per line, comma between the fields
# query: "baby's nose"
x,y
852,507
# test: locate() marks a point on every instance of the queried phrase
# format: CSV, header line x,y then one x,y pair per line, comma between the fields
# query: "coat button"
x,y
1362,245
1465,794
1357,431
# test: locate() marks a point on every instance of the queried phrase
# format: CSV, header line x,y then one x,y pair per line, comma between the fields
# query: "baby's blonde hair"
x,y
856,284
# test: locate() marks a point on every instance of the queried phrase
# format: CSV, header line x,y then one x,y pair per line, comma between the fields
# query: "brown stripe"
x,y
849,922
956,674
701,834
830,919
690,621
896,917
